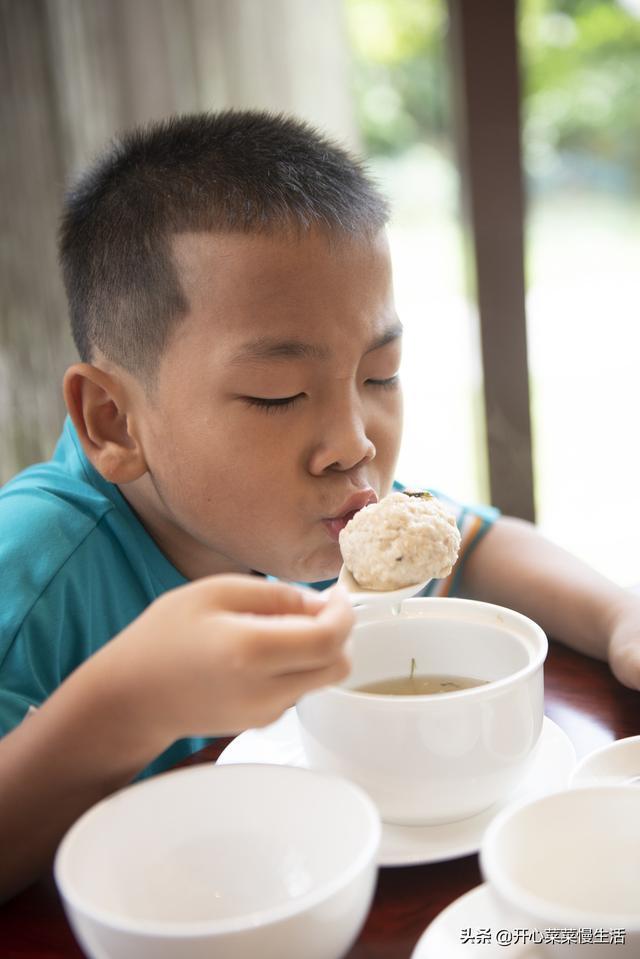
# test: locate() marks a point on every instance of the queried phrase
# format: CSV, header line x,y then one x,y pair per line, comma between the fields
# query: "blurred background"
x,y
376,74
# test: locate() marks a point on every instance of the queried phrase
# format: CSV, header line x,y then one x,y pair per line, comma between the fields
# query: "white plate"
x,y
475,911
552,763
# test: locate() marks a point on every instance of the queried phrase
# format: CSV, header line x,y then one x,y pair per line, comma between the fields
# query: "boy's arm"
x,y
514,566
213,657
81,745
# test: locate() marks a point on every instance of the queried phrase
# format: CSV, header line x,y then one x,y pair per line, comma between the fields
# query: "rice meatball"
x,y
405,538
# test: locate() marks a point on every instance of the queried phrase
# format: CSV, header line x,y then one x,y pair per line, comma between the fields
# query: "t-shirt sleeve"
x,y
45,609
26,523
13,709
31,661
473,521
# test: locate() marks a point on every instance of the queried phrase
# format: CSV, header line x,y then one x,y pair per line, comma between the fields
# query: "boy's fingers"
x,y
293,686
625,665
284,644
334,615
253,594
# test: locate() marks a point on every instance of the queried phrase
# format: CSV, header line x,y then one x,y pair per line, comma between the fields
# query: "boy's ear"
x,y
96,401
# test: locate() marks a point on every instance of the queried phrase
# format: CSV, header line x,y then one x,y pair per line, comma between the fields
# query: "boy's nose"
x,y
344,446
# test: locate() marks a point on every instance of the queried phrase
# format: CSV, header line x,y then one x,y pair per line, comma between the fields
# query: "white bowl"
x,y
569,861
427,760
617,763
222,862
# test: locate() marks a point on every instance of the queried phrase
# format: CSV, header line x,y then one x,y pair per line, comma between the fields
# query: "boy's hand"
x,y
228,652
215,656
624,645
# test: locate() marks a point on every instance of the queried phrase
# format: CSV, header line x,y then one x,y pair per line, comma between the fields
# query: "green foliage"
x,y
400,72
581,78
581,69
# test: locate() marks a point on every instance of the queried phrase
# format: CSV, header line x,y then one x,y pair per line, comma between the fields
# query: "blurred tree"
x,y
581,65
400,75
582,88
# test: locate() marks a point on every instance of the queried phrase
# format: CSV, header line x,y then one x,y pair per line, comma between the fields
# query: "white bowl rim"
x,y
437,605
537,906
615,746
210,927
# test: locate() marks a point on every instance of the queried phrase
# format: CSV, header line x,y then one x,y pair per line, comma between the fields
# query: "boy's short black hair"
x,y
232,171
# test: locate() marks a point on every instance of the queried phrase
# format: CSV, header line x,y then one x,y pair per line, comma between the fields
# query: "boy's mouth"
x,y
335,524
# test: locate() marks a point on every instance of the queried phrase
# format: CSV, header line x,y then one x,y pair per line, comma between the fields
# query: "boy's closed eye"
x,y
387,383
286,402
275,403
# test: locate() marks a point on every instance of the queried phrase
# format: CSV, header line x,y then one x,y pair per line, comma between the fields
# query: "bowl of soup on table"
x,y
442,710
222,862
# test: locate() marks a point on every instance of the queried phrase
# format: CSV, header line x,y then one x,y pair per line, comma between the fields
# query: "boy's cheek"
x,y
388,441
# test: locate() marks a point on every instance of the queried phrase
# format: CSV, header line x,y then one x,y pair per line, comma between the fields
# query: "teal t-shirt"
x,y
77,566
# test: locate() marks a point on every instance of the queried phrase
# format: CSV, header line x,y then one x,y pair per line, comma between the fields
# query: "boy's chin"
x,y
315,569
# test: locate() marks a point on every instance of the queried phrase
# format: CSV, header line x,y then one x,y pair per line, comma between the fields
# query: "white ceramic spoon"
x,y
376,597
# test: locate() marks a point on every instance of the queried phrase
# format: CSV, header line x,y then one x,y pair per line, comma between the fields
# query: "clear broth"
x,y
426,685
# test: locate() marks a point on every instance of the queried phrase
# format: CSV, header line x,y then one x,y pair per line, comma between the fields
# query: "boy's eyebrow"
x,y
388,336
267,348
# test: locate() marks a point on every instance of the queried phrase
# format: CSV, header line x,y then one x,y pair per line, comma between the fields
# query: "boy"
x,y
236,401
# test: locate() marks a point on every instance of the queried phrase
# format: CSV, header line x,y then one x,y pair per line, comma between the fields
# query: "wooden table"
x,y
581,696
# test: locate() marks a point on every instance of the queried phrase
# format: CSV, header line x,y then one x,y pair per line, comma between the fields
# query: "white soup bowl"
x,y
222,862
432,759
570,861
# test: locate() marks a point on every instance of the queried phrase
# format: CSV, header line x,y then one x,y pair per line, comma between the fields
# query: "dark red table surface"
x,y
581,696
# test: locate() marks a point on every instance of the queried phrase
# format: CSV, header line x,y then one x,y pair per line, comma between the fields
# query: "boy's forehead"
x,y
241,282
258,302
203,259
